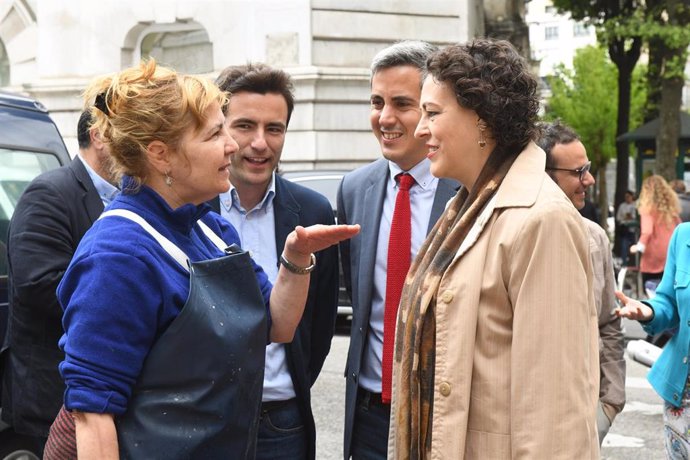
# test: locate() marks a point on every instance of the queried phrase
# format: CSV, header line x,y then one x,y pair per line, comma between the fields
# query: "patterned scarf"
x,y
415,344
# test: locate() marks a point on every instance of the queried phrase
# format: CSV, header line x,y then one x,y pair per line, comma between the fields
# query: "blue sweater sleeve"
x,y
112,324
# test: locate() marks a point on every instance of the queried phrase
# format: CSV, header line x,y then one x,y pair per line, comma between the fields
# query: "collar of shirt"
x,y
106,191
420,172
231,199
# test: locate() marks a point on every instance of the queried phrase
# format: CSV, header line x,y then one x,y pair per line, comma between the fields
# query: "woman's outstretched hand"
x,y
633,309
304,241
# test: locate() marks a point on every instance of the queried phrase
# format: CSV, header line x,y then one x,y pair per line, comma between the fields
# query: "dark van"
x,y
30,144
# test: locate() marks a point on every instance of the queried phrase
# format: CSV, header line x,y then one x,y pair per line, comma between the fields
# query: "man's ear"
x,y
95,138
158,155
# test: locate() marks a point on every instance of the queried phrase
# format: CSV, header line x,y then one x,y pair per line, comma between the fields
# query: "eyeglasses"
x,y
581,171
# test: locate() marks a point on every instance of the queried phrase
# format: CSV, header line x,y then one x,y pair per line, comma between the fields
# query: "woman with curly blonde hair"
x,y
659,215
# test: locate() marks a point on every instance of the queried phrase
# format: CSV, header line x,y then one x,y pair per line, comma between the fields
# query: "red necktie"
x,y
399,244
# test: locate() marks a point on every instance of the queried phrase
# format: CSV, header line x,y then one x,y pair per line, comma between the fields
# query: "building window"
x,y
187,51
580,30
551,33
182,45
550,9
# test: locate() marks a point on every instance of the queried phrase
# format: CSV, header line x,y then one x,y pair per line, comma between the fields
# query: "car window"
x,y
17,169
327,186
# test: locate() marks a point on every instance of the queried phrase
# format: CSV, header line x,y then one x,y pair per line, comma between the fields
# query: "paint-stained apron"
x,y
199,393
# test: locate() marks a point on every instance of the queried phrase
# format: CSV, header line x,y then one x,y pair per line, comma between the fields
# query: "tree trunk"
x,y
625,59
673,59
654,65
669,127
651,109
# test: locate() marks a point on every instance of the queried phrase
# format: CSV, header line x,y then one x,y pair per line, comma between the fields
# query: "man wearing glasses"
x,y
568,166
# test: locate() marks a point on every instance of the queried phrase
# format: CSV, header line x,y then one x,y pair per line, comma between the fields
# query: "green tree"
x,y
584,97
664,25
624,50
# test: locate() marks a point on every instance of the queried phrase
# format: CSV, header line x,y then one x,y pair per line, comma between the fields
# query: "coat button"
x,y
444,388
675,396
685,359
688,323
447,297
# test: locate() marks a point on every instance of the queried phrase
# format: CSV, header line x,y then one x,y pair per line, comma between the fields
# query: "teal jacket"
x,y
671,306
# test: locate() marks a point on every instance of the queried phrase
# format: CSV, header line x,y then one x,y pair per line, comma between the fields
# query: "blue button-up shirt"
x,y
105,189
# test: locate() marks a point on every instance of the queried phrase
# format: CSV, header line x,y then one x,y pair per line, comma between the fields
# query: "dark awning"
x,y
649,130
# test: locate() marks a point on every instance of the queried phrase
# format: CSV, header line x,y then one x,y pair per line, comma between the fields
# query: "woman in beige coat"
x,y
496,351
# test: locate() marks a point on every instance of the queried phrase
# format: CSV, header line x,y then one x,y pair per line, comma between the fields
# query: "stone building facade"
x,y
51,49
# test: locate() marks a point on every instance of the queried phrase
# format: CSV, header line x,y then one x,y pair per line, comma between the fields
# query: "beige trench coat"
x,y
517,368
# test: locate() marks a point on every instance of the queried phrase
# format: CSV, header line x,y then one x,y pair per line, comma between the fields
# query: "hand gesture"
x,y
633,309
304,241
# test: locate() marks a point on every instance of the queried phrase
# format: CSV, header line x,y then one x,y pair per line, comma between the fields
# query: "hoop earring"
x,y
168,179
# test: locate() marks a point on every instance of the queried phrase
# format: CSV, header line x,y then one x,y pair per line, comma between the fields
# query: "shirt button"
x,y
444,388
447,297
685,360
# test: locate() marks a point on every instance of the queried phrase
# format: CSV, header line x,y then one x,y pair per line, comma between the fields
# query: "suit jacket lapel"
x,y
371,220
286,211
215,204
90,198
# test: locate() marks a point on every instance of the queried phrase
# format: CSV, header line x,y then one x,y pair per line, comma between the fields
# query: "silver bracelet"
x,y
296,269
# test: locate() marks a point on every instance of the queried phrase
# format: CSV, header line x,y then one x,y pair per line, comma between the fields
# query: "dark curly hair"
x,y
491,78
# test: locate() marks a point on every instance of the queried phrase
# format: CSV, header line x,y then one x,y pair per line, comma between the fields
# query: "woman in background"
x,y
659,215
627,225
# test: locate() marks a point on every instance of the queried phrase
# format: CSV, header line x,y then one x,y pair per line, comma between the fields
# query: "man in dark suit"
x,y
368,196
51,217
264,208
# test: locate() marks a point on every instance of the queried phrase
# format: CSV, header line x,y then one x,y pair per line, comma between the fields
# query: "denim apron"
x,y
199,393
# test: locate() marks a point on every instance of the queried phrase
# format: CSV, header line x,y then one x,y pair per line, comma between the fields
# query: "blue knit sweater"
x,y
122,290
